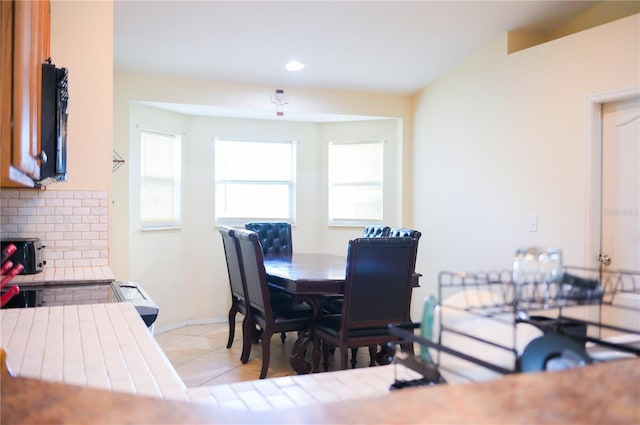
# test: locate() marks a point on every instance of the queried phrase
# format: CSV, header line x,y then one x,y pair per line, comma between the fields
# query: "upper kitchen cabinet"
x,y
24,47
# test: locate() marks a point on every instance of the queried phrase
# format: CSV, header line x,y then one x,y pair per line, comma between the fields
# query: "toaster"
x,y
29,253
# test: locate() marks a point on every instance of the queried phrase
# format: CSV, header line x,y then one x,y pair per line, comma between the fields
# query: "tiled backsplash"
x,y
73,224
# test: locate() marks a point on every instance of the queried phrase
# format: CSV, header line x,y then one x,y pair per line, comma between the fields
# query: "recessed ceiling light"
x,y
294,66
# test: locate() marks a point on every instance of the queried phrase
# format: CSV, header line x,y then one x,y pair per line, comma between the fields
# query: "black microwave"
x,y
53,129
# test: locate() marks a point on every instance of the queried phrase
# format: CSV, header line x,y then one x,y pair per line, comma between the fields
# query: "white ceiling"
x,y
374,46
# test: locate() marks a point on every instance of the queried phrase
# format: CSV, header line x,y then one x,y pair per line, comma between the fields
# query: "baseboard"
x,y
172,326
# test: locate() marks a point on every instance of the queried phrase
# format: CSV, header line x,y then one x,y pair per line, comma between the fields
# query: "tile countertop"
x,y
105,346
65,275
64,358
606,393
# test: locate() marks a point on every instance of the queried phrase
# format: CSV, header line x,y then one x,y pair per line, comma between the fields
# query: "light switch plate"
x,y
533,223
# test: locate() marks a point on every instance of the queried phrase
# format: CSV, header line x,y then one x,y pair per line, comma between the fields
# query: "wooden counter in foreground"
x,y
607,393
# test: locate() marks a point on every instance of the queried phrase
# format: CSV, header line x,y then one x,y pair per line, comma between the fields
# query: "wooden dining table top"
x,y
310,274
307,273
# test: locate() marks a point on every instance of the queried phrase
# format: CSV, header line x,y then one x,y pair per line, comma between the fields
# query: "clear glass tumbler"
x,y
536,274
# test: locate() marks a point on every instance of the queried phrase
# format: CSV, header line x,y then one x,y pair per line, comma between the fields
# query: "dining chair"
x,y
382,356
398,232
276,241
377,293
332,304
238,297
375,231
269,316
275,237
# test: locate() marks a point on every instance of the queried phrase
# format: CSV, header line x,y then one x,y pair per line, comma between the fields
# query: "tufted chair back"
x,y
377,292
275,238
270,317
376,232
397,232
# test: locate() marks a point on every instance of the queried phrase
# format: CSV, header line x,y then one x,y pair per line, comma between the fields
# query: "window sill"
x,y
160,229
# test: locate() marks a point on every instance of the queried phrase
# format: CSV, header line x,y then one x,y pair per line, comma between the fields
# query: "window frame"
x,y
291,184
176,222
354,221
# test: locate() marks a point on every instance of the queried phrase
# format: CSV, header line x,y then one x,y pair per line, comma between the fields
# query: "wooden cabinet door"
x,y
27,34
6,80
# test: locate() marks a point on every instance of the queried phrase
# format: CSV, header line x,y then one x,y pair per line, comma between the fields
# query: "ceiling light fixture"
x,y
294,66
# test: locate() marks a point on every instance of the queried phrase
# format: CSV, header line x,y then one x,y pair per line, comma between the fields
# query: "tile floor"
x,y
214,375
199,355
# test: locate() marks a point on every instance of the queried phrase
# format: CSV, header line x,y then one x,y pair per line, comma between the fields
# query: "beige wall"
x,y
131,87
503,137
497,139
82,42
184,270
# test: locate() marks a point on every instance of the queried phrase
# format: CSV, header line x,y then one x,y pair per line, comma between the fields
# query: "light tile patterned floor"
x,y
107,346
215,375
200,356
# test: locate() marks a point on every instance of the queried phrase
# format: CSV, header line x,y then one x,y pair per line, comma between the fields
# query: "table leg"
x,y
298,354
299,349
382,357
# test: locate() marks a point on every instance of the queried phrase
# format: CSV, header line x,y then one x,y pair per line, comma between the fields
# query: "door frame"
x,y
593,180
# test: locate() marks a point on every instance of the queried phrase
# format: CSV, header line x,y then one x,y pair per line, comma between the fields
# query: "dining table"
x,y
307,276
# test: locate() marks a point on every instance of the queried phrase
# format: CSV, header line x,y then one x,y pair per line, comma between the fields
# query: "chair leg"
x,y
247,334
343,358
266,351
373,349
283,336
326,348
232,325
354,357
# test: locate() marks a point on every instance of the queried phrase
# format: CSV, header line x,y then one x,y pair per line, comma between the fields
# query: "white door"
x,y
620,210
613,230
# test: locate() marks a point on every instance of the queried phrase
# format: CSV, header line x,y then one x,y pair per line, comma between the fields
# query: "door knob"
x,y
42,156
604,259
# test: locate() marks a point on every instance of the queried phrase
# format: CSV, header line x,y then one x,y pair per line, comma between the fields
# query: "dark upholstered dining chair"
x,y
275,237
333,303
269,316
276,241
238,298
376,231
377,292
382,357
399,232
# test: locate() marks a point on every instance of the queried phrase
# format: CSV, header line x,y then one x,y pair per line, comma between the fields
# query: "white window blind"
x,y
161,176
255,180
355,182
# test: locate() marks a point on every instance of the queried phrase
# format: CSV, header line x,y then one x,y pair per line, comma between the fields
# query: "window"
x,y
255,180
160,177
355,182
